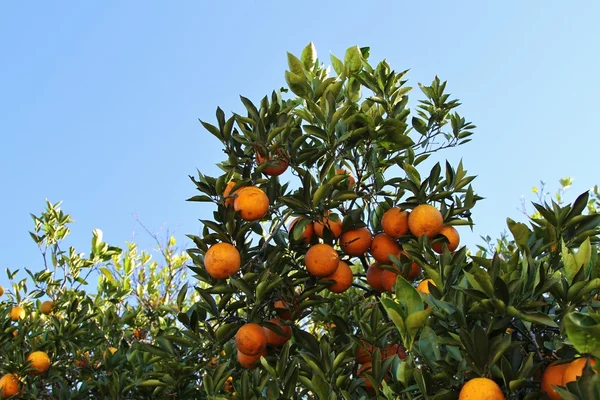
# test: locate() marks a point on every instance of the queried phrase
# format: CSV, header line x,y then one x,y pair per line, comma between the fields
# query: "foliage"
x,y
351,148
496,316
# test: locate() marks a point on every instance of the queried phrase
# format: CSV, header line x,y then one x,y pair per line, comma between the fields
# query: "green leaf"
x,y
309,55
408,296
571,266
519,230
394,311
353,59
584,254
583,330
416,321
296,66
297,83
109,276
338,65
419,125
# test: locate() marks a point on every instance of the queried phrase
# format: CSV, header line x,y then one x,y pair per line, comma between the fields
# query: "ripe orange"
x,y
342,277
450,233
1,290
388,279
9,386
364,353
481,389
374,276
423,286
40,362
308,233
356,242
366,367
227,192
282,308
46,307
383,246
17,313
575,369
393,349
321,260
553,376
276,166
228,386
350,179
222,260
139,334
425,220
250,362
333,224
273,337
251,339
252,203
395,222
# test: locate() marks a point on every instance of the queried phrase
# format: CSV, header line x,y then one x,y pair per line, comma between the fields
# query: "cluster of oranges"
x,y
10,383
322,260
327,262
560,374
39,361
251,341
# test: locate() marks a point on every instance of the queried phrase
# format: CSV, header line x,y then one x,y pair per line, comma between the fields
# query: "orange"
x,y
139,334
40,362
575,369
395,222
393,349
228,386
282,308
250,362
227,192
333,224
366,367
9,386
481,389
388,279
374,276
252,203
350,178
342,277
308,233
423,286
425,220
364,353
17,313
46,307
1,290
222,260
276,166
553,375
274,338
83,360
356,242
321,260
450,233
383,246
251,339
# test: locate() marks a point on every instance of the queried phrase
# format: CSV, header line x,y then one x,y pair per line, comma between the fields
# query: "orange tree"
x,y
296,241
61,338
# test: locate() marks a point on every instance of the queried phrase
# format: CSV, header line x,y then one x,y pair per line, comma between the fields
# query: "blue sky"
x,y
99,100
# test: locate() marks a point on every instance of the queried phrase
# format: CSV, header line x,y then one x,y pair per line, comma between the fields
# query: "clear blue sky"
x,y
99,100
